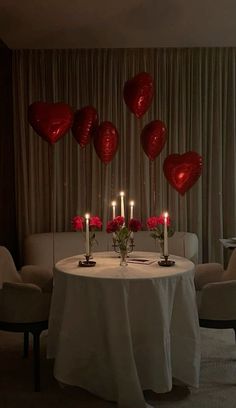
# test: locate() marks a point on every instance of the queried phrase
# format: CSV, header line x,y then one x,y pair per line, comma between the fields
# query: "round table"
x,y
117,331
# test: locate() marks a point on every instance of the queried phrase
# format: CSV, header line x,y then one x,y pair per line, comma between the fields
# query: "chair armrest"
x,y
37,275
20,287
218,301
207,273
23,303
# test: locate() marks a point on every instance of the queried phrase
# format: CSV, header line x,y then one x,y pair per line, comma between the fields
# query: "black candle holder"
x,y
87,263
166,261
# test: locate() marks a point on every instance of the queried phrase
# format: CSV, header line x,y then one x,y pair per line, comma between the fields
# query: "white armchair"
x,y
216,294
25,298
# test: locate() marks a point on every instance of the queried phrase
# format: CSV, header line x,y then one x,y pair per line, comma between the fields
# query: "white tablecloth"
x,y
116,331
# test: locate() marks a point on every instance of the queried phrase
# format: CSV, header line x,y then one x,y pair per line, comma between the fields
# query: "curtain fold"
x,y
194,96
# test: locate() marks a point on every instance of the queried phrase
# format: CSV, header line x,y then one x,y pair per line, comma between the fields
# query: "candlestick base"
x,y
87,263
166,261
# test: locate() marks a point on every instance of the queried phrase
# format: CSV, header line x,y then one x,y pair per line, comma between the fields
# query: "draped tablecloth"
x,y
116,331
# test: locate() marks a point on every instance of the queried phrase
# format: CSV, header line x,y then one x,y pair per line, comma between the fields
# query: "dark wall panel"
x,y
7,180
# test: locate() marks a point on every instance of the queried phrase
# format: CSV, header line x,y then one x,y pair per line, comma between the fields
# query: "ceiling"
x,y
117,24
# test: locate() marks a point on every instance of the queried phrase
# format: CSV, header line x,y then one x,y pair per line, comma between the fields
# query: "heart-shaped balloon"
x,y
153,138
182,171
50,120
138,93
85,123
106,141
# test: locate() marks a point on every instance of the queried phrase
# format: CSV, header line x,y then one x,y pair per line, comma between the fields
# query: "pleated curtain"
x,y
195,96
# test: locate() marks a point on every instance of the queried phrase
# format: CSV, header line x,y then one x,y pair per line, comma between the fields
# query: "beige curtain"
x,y
195,97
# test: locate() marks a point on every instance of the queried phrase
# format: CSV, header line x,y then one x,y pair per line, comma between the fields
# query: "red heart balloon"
x,y
85,123
50,120
138,93
153,138
106,141
182,171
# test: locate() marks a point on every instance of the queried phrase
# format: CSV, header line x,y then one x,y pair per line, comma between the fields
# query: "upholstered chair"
x,y
24,303
216,294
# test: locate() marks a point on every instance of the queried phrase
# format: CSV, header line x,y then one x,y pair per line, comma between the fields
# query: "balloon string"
x,y
153,177
140,126
53,202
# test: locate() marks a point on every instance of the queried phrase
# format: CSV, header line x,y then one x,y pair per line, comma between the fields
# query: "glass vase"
x,y
161,242
123,257
92,242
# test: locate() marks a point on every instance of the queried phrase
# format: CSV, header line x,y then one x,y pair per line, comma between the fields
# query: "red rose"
x,y
162,218
78,223
120,220
112,226
152,222
95,222
134,225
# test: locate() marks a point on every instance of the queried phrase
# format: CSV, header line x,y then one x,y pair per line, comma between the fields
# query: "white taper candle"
x,y
87,217
122,204
113,203
131,209
165,235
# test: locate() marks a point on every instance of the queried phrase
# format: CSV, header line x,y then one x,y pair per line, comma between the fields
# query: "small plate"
x,y
233,239
140,261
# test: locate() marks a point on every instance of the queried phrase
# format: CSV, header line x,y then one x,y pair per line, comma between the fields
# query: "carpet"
x,y
217,380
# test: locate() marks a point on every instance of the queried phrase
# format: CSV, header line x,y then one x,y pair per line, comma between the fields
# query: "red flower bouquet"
x,y
156,226
78,223
122,234
95,224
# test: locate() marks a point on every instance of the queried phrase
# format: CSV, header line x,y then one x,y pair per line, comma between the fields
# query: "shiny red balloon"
x,y
106,141
153,138
182,171
50,120
138,93
85,123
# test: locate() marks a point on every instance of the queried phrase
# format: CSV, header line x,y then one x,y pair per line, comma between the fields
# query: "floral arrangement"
x,y
95,224
156,226
122,234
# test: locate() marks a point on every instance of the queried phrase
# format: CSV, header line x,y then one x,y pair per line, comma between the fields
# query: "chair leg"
x,y
36,349
26,345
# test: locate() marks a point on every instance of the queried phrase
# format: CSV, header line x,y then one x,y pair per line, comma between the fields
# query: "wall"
x,y
7,178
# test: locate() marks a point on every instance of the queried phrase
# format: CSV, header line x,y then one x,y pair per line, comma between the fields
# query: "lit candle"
x,y
131,209
165,234
113,209
87,216
122,204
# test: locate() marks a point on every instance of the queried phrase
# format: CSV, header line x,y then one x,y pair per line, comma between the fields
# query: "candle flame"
x,y
132,203
113,203
122,193
87,216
